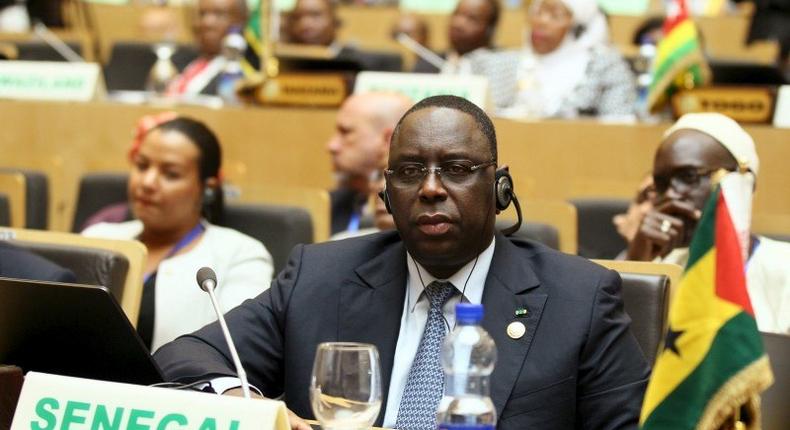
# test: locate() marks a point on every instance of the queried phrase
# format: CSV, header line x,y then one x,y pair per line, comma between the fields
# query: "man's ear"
x,y
212,182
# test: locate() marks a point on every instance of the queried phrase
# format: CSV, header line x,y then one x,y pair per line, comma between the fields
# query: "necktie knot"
x,y
439,293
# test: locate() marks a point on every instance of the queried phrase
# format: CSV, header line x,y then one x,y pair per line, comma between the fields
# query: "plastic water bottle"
x,y
643,67
233,47
468,358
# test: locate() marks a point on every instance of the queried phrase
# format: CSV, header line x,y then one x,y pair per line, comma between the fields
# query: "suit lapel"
x,y
506,290
371,309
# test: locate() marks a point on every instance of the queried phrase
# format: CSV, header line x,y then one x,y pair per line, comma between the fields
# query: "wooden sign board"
x,y
743,104
322,90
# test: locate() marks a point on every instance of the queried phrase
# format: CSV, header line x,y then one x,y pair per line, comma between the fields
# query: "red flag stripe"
x,y
677,13
730,270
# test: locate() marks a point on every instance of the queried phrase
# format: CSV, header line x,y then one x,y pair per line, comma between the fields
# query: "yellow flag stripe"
x,y
676,38
698,313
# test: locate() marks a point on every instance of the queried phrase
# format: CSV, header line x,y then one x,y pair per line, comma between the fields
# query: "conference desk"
x,y
549,160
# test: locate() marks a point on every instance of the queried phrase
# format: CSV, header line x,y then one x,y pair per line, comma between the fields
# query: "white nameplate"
x,y
45,80
50,402
418,86
782,110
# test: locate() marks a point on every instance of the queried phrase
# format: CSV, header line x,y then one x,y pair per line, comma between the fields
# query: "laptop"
x,y
71,330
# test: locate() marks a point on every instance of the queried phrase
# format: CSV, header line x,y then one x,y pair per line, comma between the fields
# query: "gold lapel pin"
x,y
516,329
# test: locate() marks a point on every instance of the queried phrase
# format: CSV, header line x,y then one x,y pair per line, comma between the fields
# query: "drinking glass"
x,y
345,390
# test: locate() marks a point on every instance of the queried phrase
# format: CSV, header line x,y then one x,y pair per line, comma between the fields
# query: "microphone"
x,y
55,43
207,280
421,51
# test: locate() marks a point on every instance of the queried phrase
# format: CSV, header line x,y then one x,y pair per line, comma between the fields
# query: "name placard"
x,y
50,402
418,86
45,80
743,104
782,110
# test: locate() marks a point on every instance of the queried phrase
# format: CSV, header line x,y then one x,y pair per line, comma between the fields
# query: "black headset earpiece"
x,y
503,189
385,198
504,195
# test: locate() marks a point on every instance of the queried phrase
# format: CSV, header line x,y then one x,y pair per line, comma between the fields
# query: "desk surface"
x,y
548,159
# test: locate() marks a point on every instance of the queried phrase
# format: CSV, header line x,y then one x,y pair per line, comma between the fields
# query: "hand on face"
x,y
664,228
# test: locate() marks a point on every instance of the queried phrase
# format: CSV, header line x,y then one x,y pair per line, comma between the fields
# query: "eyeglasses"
x,y
455,172
681,180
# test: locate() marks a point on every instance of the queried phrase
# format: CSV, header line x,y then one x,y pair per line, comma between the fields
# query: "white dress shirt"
x,y
415,315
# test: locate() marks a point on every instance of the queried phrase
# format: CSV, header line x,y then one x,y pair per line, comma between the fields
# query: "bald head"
x,y
363,128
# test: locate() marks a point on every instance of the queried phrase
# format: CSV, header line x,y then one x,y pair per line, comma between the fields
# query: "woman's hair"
x,y
209,162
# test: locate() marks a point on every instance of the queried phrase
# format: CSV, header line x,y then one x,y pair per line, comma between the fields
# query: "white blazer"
x,y
243,265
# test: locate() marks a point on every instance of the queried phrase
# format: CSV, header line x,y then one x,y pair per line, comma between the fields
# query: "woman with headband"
x,y
175,195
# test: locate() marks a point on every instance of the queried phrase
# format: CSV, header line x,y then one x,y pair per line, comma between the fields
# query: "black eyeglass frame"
x,y
425,170
661,186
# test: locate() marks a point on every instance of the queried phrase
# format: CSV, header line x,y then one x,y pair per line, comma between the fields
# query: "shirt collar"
x,y
474,287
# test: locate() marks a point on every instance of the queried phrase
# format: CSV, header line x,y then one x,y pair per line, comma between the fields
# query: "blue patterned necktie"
x,y
424,385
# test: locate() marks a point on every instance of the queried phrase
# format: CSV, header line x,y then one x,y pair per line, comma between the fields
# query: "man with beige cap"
x,y
695,147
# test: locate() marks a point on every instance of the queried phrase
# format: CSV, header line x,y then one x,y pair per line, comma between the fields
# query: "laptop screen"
x,y
71,330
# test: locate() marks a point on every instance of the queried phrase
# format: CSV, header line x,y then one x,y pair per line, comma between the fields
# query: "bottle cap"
x,y
468,313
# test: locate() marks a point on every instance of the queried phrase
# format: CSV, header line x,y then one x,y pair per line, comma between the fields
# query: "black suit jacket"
x,y
345,202
21,264
577,366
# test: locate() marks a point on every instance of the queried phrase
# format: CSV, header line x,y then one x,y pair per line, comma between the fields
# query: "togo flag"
x,y
712,360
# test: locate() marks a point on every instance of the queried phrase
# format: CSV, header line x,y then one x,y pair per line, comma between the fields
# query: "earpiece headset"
x,y
503,195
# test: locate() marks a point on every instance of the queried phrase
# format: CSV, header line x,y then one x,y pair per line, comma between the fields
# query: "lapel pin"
x,y
516,329
521,312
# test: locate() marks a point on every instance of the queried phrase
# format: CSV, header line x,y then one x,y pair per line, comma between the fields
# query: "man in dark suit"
x,y
18,263
567,358
315,22
471,33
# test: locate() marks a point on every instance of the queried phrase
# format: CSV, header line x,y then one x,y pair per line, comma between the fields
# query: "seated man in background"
x,y
693,149
18,263
575,364
470,32
363,128
215,18
315,22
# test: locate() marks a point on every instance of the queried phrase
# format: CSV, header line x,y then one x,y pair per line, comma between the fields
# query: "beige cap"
x,y
726,131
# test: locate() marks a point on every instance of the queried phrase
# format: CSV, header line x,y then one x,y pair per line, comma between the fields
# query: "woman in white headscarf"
x,y
566,69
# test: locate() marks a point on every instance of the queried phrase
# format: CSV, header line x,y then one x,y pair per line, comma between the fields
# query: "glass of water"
x,y
345,390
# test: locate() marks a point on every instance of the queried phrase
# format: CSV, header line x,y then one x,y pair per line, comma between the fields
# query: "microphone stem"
x,y
245,386
423,52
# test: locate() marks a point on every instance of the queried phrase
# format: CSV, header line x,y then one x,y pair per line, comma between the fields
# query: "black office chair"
x,y
130,63
279,228
97,191
36,50
536,231
5,211
646,300
91,266
598,237
36,197
776,414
